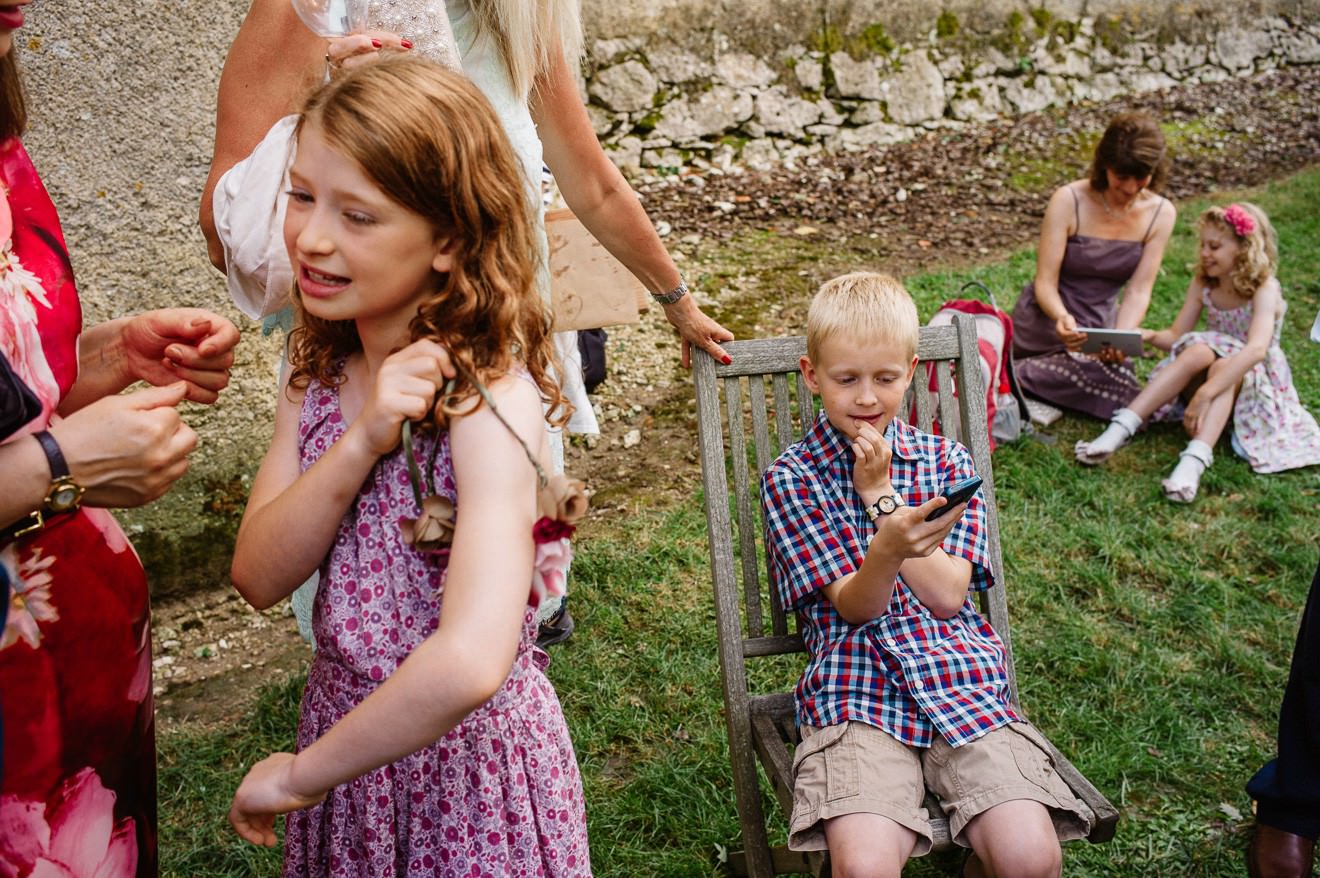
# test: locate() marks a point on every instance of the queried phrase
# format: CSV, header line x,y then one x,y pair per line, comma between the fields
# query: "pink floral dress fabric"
x,y
500,795
78,796
1272,430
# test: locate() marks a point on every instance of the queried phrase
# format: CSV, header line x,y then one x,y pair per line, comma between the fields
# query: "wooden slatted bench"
x,y
766,407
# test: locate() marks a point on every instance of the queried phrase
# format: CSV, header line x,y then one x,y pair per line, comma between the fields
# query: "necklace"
x,y
1104,202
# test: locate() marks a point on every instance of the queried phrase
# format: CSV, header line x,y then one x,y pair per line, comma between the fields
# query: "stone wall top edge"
x,y
765,26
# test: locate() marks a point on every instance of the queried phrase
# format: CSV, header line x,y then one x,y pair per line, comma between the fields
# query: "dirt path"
x,y
952,197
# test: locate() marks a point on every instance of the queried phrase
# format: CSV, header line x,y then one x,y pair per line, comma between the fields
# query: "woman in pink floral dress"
x,y
78,792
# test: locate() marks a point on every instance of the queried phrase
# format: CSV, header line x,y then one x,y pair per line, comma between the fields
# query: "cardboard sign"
x,y
589,288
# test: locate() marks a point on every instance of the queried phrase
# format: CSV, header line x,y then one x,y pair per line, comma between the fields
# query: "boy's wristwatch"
x,y
885,505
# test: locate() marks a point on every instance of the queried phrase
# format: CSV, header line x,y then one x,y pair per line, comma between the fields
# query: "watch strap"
x,y
673,295
875,510
59,467
59,478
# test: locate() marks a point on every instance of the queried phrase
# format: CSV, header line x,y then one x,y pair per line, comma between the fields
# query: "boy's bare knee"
x,y
868,846
874,866
1017,838
1021,858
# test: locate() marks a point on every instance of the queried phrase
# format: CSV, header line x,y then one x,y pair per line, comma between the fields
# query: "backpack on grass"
x,y
1005,405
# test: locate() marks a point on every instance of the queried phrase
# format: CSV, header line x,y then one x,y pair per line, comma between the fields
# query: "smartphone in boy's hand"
x,y
955,494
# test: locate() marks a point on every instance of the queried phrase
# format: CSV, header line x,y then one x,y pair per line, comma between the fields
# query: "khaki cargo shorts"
x,y
855,768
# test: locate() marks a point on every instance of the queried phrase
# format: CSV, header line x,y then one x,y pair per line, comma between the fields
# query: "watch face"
x,y
886,505
64,496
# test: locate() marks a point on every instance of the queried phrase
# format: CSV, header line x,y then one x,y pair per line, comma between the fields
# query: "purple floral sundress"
x,y
1272,430
499,795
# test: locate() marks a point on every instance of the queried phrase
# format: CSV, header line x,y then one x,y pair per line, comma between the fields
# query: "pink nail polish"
x,y
376,44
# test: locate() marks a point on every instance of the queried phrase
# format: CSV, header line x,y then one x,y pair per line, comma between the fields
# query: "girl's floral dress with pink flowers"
x,y
1272,430
78,794
500,794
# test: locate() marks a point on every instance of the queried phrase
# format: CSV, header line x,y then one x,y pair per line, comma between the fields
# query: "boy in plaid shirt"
x,y
906,686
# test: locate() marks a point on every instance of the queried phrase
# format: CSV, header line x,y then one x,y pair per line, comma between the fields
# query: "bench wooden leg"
x,y
785,862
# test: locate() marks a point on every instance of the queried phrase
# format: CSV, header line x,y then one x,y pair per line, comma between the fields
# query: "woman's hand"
x,y
696,328
265,792
127,450
404,390
356,50
188,344
1066,329
1110,354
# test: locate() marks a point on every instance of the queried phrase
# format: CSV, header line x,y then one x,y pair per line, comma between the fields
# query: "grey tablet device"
x,y
1126,340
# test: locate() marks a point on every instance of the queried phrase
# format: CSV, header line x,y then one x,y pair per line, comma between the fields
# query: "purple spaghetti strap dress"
x,y
500,794
1093,272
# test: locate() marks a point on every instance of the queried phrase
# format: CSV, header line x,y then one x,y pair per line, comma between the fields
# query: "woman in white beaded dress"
x,y
522,56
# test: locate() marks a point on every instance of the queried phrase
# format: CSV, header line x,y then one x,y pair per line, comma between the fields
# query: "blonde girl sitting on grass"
x,y
1233,369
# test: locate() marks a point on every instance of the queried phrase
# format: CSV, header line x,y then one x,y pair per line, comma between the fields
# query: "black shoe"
x,y
557,628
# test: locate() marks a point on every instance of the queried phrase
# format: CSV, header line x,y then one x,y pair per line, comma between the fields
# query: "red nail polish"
x,y
376,44
407,44
727,359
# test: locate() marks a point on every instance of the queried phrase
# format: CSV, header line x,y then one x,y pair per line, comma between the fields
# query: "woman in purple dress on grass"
x,y
1100,249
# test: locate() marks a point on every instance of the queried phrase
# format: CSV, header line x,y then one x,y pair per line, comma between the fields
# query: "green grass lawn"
x,y
1152,640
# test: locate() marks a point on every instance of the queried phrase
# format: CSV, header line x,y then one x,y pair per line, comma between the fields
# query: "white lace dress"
x,y
435,30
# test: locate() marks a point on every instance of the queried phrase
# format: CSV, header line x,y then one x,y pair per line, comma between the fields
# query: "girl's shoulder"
x,y
511,398
1269,296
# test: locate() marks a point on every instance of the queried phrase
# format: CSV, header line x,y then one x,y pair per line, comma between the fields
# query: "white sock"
x,y
1182,484
1122,427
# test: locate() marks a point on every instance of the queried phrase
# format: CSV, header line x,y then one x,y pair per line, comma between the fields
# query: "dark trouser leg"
x,y
1287,790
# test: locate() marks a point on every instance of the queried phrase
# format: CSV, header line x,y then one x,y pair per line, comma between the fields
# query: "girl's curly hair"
x,y
430,140
1258,250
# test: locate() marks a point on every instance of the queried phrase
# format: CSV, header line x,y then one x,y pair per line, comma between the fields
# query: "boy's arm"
x,y
806,548
939,580
905,541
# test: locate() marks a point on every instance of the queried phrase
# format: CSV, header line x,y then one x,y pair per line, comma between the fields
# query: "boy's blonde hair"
x,y
1258,247
863,306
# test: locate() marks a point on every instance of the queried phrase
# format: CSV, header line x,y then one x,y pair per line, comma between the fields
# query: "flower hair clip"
x,y
1239,220
560,504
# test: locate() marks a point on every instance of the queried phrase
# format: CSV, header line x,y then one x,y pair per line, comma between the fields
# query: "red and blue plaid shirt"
x,y
906,672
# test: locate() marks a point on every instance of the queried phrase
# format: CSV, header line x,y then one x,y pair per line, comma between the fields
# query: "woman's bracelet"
x,y
673,295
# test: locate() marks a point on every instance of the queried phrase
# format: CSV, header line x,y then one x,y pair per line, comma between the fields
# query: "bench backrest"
x,y
747,413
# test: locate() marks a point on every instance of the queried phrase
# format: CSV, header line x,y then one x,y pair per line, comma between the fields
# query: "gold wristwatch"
x,y
64,494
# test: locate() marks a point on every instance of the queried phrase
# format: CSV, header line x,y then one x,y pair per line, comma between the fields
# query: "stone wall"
x,y
123,119
659,107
